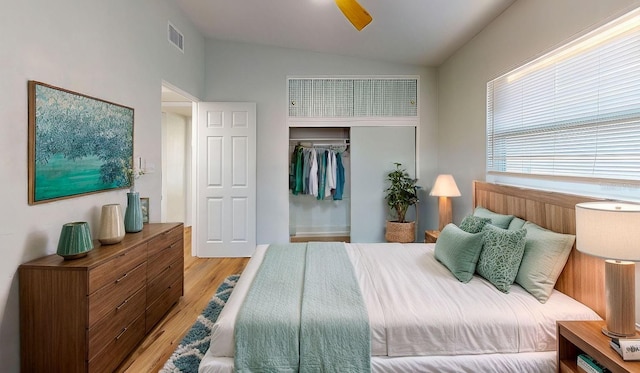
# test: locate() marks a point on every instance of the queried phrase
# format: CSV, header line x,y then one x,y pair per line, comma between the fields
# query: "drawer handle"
x,y
122,278
122,304
121,333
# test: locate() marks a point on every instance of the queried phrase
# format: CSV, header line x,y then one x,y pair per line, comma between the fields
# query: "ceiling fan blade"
x,y
355,13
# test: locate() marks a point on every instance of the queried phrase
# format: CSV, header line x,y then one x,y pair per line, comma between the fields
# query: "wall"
x,y
114,50
524,31
245,72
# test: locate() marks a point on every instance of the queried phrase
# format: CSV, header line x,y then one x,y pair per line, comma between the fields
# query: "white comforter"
x,y
417,308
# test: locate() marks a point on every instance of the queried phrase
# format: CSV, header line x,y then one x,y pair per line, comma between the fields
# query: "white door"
x,y
374,150
226,179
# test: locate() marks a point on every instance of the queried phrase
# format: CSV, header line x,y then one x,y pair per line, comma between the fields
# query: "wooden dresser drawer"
x,y
163,258
103,301
159,308
164,240
110,271
115,321
119,347
157,285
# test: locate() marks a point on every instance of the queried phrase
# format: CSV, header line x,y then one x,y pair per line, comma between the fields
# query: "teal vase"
x,y
133,214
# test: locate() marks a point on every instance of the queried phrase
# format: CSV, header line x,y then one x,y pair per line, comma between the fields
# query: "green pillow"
x,y
473,224
545,254
499,220
516,224
501,256
459,251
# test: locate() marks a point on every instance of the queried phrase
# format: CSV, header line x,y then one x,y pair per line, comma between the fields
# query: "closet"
x,y
372,123
325,214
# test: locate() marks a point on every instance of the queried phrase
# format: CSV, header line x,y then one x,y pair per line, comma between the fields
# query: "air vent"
x,y
176,38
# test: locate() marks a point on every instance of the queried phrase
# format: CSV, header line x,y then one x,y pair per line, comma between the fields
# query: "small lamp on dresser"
x,y
444,187
611,231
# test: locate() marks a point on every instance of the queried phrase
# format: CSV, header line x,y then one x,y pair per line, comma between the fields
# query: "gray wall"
x,y
246,72
114,50
524,31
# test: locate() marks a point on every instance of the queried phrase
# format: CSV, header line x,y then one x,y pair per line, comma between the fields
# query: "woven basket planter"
x,y
400,232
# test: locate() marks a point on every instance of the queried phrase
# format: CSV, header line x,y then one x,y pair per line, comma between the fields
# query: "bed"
x,y
443,324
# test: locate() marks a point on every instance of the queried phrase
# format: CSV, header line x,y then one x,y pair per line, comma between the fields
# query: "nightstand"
x,y
431,236
577,337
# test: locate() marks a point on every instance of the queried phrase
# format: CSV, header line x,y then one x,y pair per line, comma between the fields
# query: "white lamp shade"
x,y
608,230
445,186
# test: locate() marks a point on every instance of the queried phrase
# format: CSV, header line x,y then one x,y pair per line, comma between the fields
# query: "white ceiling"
x,y
420,32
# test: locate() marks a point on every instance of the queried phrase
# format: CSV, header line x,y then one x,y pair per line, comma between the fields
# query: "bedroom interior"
x,y
76,46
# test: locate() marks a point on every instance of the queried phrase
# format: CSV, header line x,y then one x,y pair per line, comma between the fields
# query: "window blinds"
x,y
574,112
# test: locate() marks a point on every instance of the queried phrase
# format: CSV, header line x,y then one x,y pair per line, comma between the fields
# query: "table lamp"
x,y
444,187
611,231
75,240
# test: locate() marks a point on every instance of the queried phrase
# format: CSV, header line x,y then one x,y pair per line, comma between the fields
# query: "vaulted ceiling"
x,y
420,32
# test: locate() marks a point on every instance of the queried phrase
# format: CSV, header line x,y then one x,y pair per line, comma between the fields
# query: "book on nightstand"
x,y
588,365
628,348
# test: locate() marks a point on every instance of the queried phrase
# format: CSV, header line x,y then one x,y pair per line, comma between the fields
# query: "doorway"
x,y
176,135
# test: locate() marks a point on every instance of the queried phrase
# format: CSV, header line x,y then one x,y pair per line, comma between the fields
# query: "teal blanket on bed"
x,y
304,312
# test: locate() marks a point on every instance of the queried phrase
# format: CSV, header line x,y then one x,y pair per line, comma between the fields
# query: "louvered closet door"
x,y
226,180
374,150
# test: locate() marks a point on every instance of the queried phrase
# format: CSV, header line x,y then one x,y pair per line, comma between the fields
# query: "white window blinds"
x,y
574,112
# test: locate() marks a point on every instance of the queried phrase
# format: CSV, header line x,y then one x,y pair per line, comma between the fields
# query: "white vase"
x,y
111,224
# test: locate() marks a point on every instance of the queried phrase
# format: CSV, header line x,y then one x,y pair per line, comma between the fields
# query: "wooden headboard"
x,y
583,275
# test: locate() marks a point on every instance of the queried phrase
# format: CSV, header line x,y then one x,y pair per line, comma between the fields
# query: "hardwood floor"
x,y
201,279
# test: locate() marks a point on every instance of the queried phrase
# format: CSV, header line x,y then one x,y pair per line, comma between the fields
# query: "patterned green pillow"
x,y
499,220
501,255
473,224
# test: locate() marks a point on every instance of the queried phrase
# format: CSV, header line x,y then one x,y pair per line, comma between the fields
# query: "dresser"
x,y
88,314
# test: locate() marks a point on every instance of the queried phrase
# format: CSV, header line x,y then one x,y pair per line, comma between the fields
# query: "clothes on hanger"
x,y
318,172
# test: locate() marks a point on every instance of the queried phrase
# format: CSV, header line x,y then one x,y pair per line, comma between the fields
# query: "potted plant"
x,y
401,193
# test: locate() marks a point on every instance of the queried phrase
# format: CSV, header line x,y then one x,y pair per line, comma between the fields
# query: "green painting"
x,y
77,144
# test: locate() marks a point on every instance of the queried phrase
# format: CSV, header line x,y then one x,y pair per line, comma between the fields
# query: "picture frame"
x,y
144,205
78,144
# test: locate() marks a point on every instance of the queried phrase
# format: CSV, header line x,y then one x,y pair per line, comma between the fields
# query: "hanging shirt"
x,y
330,183
322,171
337,195
313,173
306,166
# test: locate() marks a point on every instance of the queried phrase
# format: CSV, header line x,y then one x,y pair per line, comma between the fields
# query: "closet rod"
x,y
312,139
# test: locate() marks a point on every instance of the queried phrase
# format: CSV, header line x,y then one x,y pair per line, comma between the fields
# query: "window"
x,y
574,112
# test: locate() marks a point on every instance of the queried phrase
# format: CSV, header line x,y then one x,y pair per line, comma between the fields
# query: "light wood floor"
x,y
201,279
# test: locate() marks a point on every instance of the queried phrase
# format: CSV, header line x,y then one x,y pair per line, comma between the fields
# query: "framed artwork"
x,y
144,204
78,144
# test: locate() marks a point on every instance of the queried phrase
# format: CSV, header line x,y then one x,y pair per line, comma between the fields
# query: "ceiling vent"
x,y
176,38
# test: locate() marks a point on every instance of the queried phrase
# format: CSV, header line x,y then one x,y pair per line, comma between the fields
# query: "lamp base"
x,y
611,334
445,215
620,296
